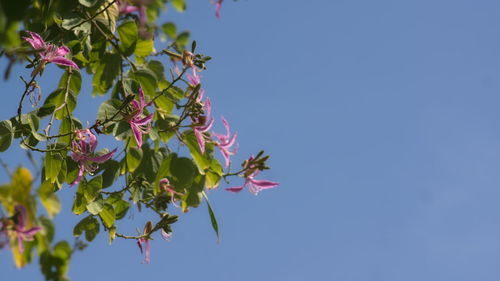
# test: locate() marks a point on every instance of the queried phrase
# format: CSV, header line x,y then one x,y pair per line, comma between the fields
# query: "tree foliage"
x,y
151,107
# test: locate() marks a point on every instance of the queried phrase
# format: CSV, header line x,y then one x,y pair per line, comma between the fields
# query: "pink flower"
x,y
23,234
145,242
218,5
165,235
125,8
169,189
225,143
49,52
139,124
255,186
84,153
202,124
194,79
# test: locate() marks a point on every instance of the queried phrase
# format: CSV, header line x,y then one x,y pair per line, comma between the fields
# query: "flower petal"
x,y
264,184
141,97
226,156
103,158
80,174
218,6
62,51
64,61
36,40
127,9
200,139
147,250
166,236
144,120
20,243
226,125
137,134
208,108
206,127
235,189
28,234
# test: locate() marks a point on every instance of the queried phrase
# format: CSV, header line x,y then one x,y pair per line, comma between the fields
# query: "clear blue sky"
x,y
383,122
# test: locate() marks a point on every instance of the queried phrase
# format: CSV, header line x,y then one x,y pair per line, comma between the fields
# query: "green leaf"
x,y
72,170
6,135
95,207
144,47
89,3
49,199
106,71
92,188
213,219
212,179
89,225
151,161
147,79
158,69
75,82
71,20
175,93
63,250
163,171
52,164
67,127
108,215
122,131
111,172
111,235
128,37
164,105
169,29
61,101
109,16
182,171
108,108
61,176
182,39
179,5
193,196
54,264
120,206
134,157
79,204
48,228
202,161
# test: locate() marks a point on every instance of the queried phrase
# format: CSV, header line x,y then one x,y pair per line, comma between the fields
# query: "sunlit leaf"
x,y
128,37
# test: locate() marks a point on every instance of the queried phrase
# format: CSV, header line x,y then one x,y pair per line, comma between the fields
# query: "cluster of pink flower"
x,y
225,142
16,225
85,142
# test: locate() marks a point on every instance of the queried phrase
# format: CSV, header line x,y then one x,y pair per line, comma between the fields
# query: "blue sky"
x,y
383,125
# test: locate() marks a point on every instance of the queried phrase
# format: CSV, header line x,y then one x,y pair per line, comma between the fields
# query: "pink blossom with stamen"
x,y
202,124
83,148
254,186
23,234
226,142
48,52
169,189
145,242
194,79
139,125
